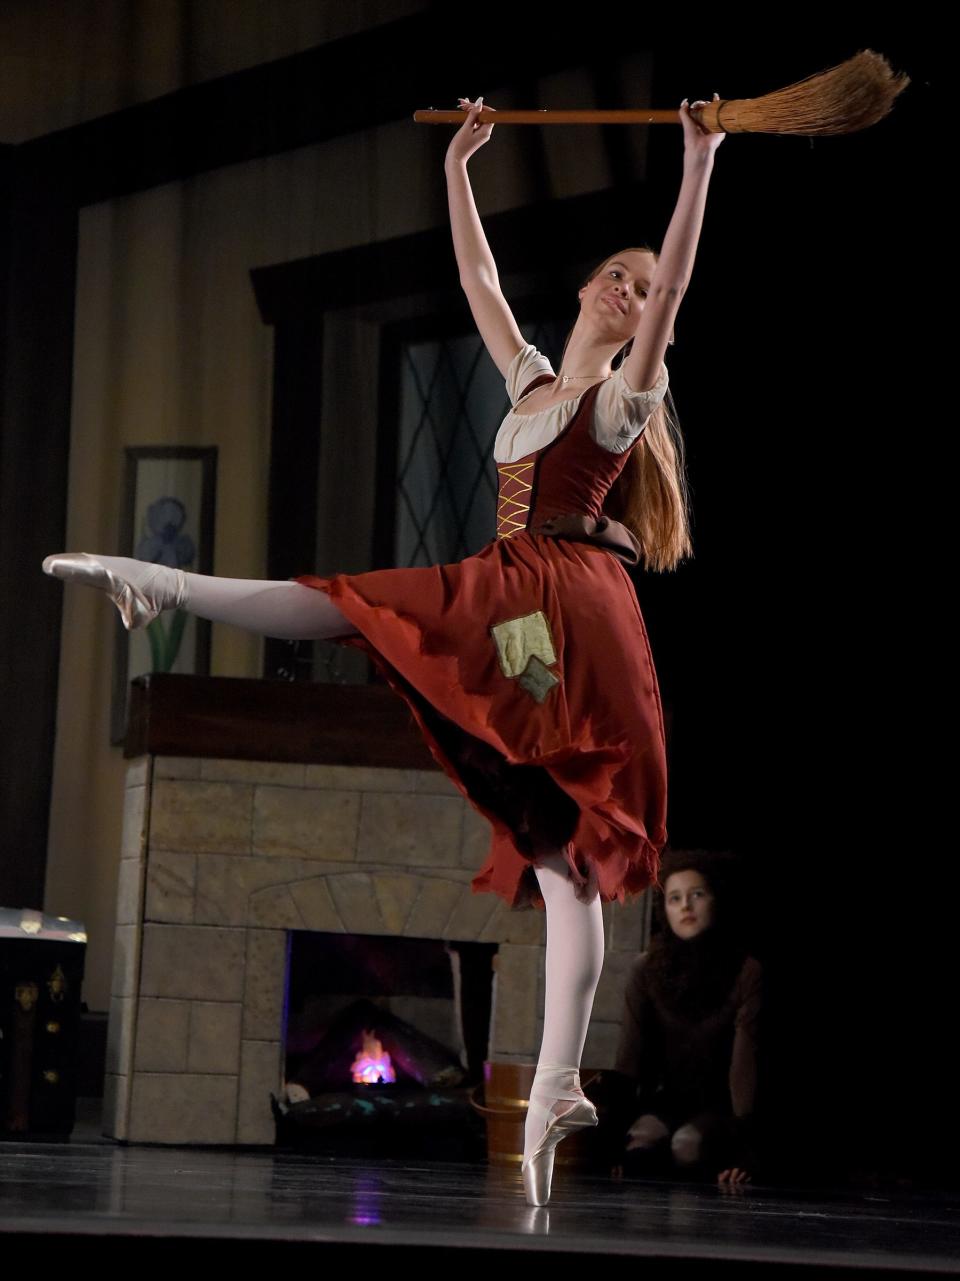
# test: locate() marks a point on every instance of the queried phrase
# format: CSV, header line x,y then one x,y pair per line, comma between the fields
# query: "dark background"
x,y
800,651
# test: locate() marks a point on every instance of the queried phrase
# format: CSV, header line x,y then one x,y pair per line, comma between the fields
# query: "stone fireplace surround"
x,y
221,857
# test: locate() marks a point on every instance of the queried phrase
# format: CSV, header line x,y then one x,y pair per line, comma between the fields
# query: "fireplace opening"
x,y
385,1044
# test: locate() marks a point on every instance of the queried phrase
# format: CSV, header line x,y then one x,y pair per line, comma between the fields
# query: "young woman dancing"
x,y
527,665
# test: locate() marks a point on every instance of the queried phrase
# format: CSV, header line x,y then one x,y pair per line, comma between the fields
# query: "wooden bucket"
x,y
502,1102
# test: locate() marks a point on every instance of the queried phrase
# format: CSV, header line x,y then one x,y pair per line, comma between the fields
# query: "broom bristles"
x,y
851,96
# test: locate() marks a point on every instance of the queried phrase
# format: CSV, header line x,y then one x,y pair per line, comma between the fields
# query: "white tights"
x,y
573,963
279,608
574,955
286,610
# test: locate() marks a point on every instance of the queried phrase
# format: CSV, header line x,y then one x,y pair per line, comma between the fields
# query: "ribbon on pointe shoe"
x,y
553,1083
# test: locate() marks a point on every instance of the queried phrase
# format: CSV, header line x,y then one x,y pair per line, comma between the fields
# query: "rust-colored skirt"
x,y
528,670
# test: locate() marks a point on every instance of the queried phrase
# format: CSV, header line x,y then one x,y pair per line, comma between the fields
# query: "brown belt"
x,y
580,528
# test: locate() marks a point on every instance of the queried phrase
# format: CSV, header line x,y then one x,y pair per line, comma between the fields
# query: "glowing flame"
x,y
372,1064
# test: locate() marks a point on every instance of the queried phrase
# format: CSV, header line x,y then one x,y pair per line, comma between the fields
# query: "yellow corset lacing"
x,y
511,513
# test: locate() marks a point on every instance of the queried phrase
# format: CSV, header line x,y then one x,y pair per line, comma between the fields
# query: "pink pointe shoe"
x,y
558,1082
138,604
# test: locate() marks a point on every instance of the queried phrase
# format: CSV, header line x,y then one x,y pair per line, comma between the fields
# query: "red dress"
x,y
528,670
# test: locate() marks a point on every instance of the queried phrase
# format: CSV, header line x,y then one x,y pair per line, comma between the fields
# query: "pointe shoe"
x,y
537,1170
138,606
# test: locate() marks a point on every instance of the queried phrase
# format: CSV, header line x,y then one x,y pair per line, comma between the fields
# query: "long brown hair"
x,y
694,976
651,494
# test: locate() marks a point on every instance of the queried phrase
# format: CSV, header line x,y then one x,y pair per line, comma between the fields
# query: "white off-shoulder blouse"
x,y
619,417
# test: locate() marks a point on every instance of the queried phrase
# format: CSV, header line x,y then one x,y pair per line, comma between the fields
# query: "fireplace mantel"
x,y
306,722
253,808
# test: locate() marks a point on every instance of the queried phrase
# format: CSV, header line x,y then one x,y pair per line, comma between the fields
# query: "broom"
x,y
851,96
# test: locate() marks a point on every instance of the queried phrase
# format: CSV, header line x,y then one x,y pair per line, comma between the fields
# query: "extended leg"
x,y
574,961
285,610
140,590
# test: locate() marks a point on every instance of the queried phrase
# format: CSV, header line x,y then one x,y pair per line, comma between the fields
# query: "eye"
x,y
614,272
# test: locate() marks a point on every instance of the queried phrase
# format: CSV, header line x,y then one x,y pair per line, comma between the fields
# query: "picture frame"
x,y
168,516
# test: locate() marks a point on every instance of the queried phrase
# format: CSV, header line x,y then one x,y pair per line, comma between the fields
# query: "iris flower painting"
x,y
164,543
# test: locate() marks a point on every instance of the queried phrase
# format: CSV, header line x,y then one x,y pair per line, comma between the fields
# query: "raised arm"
x,y
478,271
672,274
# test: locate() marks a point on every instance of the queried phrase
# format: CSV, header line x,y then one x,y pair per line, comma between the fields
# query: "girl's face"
x,y
689,903
615,297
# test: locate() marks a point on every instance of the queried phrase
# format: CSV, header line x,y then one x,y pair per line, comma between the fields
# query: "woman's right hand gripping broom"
x,y
471,135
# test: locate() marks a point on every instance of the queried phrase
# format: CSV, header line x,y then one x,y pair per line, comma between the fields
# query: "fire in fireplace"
x,y
385,1038
372,1065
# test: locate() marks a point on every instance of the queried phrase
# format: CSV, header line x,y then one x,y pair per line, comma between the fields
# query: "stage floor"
x,y
102,1195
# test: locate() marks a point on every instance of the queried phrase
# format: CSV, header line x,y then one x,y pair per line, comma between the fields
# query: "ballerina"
x,y
527,665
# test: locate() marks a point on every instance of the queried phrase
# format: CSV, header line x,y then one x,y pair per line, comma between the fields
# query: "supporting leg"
x,y
574,960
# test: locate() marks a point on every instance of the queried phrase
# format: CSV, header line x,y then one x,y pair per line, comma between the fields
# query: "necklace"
x,y
583,378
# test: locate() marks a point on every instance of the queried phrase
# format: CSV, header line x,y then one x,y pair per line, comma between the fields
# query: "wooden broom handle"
x,y
708,116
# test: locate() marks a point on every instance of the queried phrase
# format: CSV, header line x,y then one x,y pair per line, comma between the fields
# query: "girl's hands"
x,y
697,140
735,1175
471,136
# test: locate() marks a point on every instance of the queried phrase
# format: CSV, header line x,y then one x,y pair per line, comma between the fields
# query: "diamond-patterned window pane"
x,y
452,403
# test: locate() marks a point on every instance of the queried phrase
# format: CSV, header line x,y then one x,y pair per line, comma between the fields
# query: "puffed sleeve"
x,y
620,413
526,365
638,1054
743,1061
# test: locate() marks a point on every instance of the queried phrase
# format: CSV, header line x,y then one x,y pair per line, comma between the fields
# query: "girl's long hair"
x,y
651,494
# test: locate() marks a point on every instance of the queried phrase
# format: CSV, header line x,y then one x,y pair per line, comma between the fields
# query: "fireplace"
x,y
224,862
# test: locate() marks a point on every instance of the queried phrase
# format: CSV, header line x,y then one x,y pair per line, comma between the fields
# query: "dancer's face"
x,y
614,298
689,903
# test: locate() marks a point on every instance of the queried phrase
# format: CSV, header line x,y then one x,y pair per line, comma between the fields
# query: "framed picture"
x,y
168,514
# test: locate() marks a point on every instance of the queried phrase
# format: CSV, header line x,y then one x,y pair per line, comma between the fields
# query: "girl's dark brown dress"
x,y
528,670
